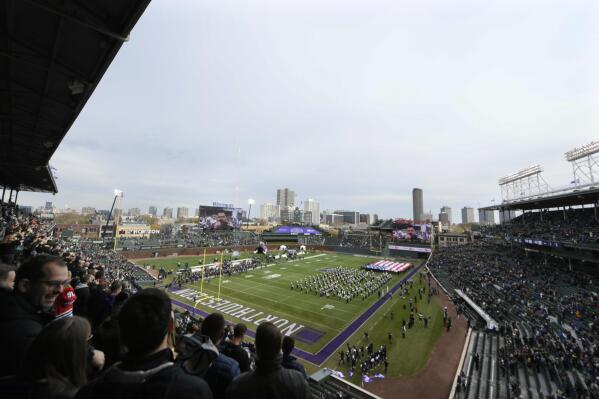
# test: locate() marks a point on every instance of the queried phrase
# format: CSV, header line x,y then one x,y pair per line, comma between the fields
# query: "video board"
x,y
413,232
219,218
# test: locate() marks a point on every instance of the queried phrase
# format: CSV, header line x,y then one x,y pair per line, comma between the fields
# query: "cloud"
x,y
350,103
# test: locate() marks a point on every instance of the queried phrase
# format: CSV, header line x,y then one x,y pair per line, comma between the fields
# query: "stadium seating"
x,y
573,226
546,345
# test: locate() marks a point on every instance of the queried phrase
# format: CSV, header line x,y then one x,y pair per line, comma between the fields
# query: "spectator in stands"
x,y
7,278
63,306
28,309
147,370
234,350
223,369
115,289
270,380
82,292
56,360
289,361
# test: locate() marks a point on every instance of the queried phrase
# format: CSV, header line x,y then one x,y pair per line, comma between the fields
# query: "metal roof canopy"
x,y
575,198
53,54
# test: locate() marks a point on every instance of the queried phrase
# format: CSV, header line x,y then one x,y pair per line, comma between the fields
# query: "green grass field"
x,y
268,290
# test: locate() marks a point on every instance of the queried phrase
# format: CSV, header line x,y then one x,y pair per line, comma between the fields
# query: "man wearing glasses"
x,y
24,313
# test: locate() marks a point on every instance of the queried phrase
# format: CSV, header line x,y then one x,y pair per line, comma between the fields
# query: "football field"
x,y
319,324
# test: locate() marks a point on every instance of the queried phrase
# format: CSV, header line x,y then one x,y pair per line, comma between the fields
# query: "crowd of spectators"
x,y
75,322
546,308
572,226
361,239
193,240
230,267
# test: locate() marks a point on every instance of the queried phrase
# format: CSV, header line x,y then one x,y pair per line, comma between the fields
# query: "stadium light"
x,y
581,152
251,201
533,170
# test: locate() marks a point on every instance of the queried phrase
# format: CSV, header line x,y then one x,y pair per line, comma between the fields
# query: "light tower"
x,y
585,163
525,183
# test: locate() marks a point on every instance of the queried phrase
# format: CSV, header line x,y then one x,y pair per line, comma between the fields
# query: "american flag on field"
x,y
389,266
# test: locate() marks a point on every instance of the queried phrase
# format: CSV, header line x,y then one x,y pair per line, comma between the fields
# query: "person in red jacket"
x,y
63,305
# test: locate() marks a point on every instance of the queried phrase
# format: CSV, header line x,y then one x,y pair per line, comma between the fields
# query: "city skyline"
x,y
362,86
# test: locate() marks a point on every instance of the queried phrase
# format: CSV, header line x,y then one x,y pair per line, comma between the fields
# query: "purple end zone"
x,y
308,335
336,342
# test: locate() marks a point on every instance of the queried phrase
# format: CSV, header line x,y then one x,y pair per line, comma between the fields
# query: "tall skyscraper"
x,y
314,207
467,215
270,211
182,212
168,213
285,197
153,210
486,217
444,218
447,210
418,204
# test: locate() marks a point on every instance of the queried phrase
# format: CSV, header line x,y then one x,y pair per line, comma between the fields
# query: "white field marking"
x,y
327,306
249,275
246,292
283,268
267,271
226,281
271,276
284,294
315,256
306,322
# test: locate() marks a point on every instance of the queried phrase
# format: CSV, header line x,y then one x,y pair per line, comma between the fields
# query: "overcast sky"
x,y
352,103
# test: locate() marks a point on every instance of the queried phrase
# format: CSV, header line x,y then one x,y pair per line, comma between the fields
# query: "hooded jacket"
x,y
270,381
153,377
20,323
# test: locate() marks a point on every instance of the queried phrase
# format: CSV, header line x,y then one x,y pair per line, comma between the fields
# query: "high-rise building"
x,y
168,213
417,204
88,210
134,212
467,215
351,217
270,212
332,219
314,208
486,217
152,210
182,212
290,215
197,212
447,210
506,216
48,206
308,218
285,198
444,218
375,218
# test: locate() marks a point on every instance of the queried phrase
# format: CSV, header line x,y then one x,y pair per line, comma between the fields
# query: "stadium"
x,y
221,305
